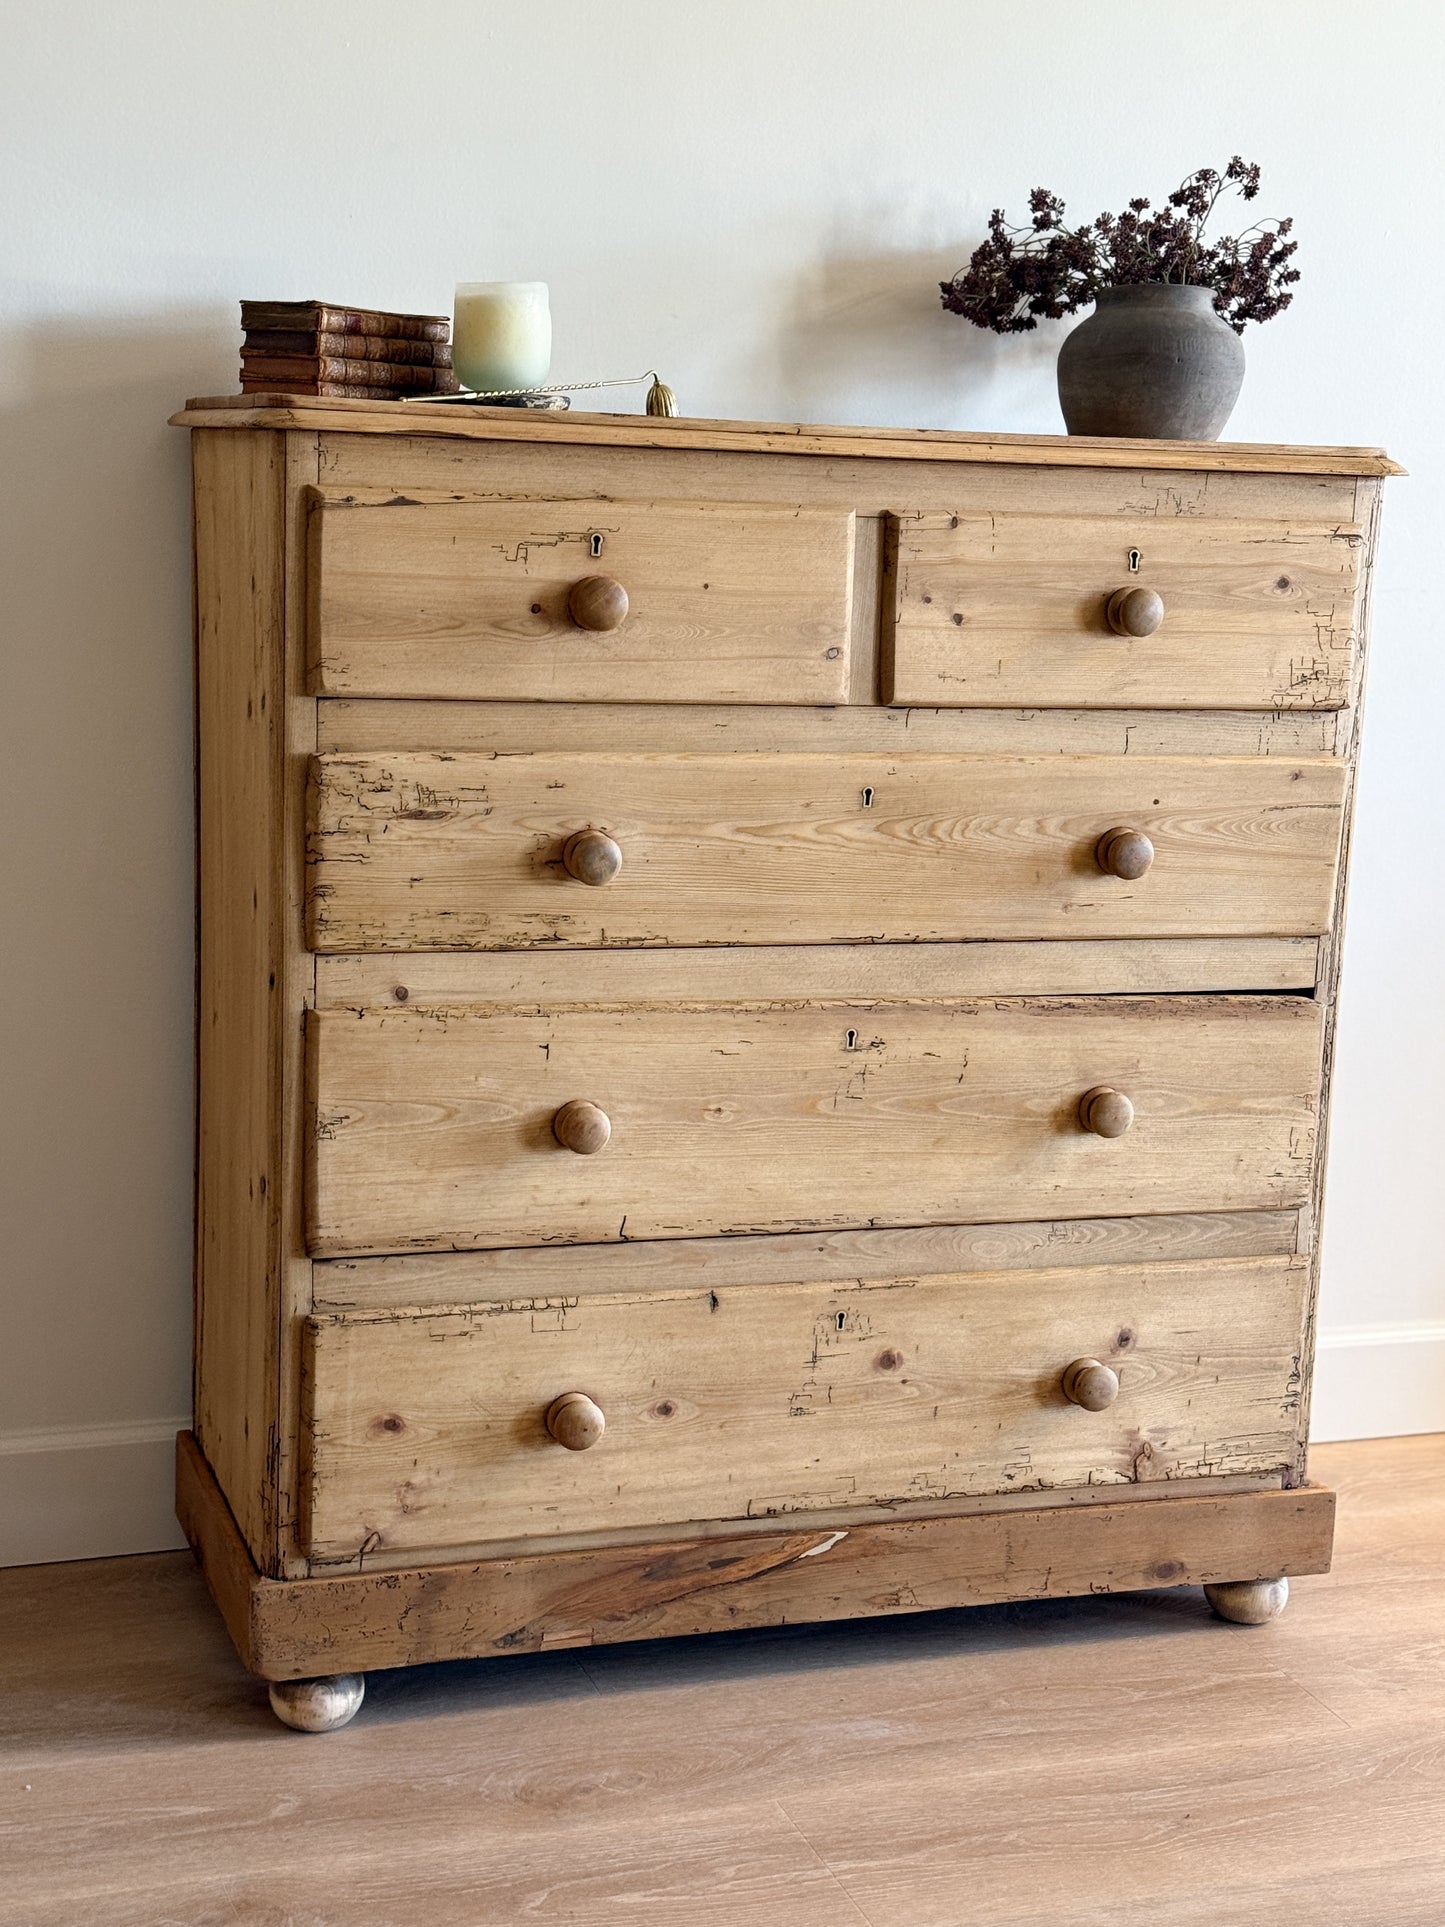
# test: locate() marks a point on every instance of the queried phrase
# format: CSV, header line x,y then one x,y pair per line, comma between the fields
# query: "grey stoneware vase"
x,y
1154,362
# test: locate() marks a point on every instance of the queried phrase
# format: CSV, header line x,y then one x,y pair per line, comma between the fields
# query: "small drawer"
x,y
1120,612
472,852
641,1409
579,601
453,1128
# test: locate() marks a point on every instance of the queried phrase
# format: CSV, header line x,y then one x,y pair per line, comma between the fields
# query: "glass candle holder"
x,y
502,334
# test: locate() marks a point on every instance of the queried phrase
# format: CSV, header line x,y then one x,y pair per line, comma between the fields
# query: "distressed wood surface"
x,y
418,852
768,1400
657,432
434,1127
207,1520
239,484
1060,968
529,728
865,617
1369,506
298,984
456,1150
1004,608
373,1558
407,463
452,597
565,1272
791,1574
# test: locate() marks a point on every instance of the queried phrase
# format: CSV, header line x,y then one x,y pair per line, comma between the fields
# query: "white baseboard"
x,y
88,1492
1378,1382
95,1491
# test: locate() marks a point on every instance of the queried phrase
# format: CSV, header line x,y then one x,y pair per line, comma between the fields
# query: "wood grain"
x,y
239,483
428,852
557,1273
434,1128
405,464
535,1603
1060,968
448,596
530,728
435,1074
382,1558
1006,608
764,1401
217,1541
1368,508
655,432
298,982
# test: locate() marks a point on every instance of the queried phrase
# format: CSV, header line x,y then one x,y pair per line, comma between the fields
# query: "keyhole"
x,y
840,1319
596,546
868,798
1134,560
852,1040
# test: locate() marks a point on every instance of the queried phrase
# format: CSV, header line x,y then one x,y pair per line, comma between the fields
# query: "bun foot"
x,y
1248,1602
318,1705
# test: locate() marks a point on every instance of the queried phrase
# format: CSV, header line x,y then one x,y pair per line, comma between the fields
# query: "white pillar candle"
x,y
502,334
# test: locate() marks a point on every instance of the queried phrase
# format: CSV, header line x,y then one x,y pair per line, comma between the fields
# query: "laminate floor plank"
x,y
182,1856
1114,1760
1038,1837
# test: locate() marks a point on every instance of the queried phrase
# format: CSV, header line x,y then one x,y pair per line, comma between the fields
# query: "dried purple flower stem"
x,y
1020,275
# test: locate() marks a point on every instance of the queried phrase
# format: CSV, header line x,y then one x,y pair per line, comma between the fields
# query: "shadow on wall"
x,y
872,327
94,504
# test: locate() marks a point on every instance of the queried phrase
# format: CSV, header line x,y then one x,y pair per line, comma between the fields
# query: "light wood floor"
x,y
1118,1761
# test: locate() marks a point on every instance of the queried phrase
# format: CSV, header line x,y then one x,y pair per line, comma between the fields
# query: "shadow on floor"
x,y
716,1658
132,1649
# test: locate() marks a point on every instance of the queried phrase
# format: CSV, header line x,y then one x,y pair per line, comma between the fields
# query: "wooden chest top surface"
x,y
476,423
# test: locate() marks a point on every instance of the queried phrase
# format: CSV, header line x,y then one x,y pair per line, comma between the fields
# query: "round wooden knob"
x,y
1135,612
577,1421
591,856
598,602
582,1127
1124,853
1105,1112
1090,1383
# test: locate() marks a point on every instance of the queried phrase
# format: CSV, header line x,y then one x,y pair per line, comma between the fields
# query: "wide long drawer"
x,y
1152,611
469,851
452,1128
589,600
754,1401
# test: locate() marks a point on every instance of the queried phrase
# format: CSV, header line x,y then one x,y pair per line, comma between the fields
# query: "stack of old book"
x,y
311,348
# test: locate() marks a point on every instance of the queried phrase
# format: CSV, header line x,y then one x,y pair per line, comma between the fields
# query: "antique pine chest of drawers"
x,y
766,1001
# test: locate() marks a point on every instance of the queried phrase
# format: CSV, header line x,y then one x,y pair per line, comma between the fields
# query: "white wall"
x,y
757,198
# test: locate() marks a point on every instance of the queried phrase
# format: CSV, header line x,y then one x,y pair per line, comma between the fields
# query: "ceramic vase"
x,y
1153,361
